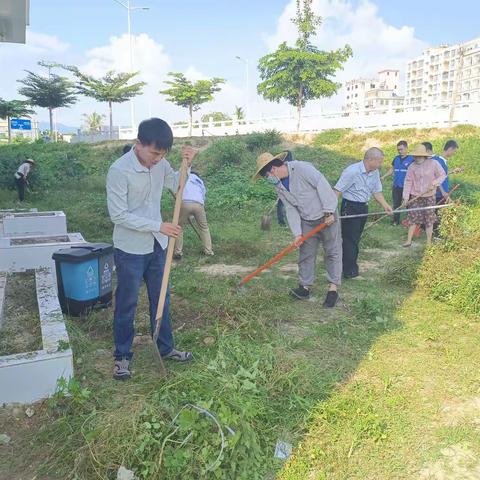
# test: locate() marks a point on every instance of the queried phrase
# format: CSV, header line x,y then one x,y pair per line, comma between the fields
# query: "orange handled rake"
x,y
280,255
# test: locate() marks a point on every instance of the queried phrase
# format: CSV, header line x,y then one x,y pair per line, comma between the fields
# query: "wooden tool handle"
x,y
171,245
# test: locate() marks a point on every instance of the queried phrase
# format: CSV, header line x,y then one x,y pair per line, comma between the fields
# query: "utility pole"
x,y
457,84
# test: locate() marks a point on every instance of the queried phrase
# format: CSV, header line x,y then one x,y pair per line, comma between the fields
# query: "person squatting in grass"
x,y
357,184
423,178
309,201
134,190
21,177
398,168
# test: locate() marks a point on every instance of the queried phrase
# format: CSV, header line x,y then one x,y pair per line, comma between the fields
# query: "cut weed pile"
x,y
20,330
358,390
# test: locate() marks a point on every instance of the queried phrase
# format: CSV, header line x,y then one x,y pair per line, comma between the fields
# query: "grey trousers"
x,y
331,239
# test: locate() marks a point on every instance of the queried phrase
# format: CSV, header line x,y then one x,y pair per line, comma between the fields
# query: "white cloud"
x,y
149,59
41,43
20,57
376,44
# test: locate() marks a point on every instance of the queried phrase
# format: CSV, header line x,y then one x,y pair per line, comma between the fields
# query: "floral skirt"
x,y
422,217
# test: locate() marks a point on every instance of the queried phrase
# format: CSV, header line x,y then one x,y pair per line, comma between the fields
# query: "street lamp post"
x,y
129,9
245,61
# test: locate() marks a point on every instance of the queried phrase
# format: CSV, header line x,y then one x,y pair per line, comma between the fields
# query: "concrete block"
x,y
31,376
15,224
32,252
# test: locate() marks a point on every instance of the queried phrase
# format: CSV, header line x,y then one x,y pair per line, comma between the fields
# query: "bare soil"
x,y
20,329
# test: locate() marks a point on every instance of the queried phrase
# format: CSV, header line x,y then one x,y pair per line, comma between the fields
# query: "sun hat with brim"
x,y
264,159
30,160
420,151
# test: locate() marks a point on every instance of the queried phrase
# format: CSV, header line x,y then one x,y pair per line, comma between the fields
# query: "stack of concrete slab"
x,y
27,241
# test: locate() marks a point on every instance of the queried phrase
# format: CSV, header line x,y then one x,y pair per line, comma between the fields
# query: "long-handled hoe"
x,y
168,264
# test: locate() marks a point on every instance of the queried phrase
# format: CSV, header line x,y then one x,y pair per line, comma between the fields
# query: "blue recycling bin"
x,y
84,277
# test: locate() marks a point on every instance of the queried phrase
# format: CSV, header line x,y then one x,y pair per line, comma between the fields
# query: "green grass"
x,y
356,390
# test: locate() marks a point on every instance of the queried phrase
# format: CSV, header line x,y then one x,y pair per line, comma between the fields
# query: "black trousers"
x,y
20,182
351,232
397,196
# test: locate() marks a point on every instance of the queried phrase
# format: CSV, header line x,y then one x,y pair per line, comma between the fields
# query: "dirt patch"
x,y
220,269
20,331
455,412
289,268
366,265
458,462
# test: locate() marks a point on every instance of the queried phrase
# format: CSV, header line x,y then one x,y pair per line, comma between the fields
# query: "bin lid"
x,y
81,253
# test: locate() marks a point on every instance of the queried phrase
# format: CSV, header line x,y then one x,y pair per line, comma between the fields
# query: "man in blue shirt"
x,y
357,184
449,150
399,169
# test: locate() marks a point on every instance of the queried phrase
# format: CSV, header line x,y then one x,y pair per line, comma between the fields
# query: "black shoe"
x,y
301,292
177,256
331,299
350,275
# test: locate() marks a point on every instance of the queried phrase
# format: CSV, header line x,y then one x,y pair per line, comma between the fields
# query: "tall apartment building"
x,y
444,76
380,93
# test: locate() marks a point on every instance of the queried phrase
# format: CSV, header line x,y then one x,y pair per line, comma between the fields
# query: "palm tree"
x,y
239,113
93,121
112,88
13,109
48,92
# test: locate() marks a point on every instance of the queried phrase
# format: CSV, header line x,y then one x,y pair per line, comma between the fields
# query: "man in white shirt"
x,y
193,204
134,189
21,177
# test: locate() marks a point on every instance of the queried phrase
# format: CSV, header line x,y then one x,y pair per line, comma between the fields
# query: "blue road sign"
x,y
20,124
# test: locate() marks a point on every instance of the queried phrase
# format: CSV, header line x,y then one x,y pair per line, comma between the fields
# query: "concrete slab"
x,y
31,376
33,252
13,224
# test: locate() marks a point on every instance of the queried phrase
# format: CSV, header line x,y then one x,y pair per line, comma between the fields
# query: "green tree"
x,y
49,92
13,109
112,88
191,95
239,113
215,117
93,121
304,72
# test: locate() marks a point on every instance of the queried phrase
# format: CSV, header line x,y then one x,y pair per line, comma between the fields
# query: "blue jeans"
x,y
131,269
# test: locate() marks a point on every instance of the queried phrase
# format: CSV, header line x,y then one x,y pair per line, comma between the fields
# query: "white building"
x,y
444,76
381,93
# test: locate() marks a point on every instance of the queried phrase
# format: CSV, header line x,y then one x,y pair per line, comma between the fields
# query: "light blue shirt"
x,y
134,194
195,190
358,185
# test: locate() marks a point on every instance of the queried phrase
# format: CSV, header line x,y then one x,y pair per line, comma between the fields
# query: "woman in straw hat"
x,y
424,175
309,201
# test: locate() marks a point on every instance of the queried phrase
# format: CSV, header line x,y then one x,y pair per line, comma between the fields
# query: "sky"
x,y
201,38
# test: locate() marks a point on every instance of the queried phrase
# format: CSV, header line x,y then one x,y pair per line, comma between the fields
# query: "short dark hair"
x,y
402,142
155,131
126,148
450,144
428,145
276,162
